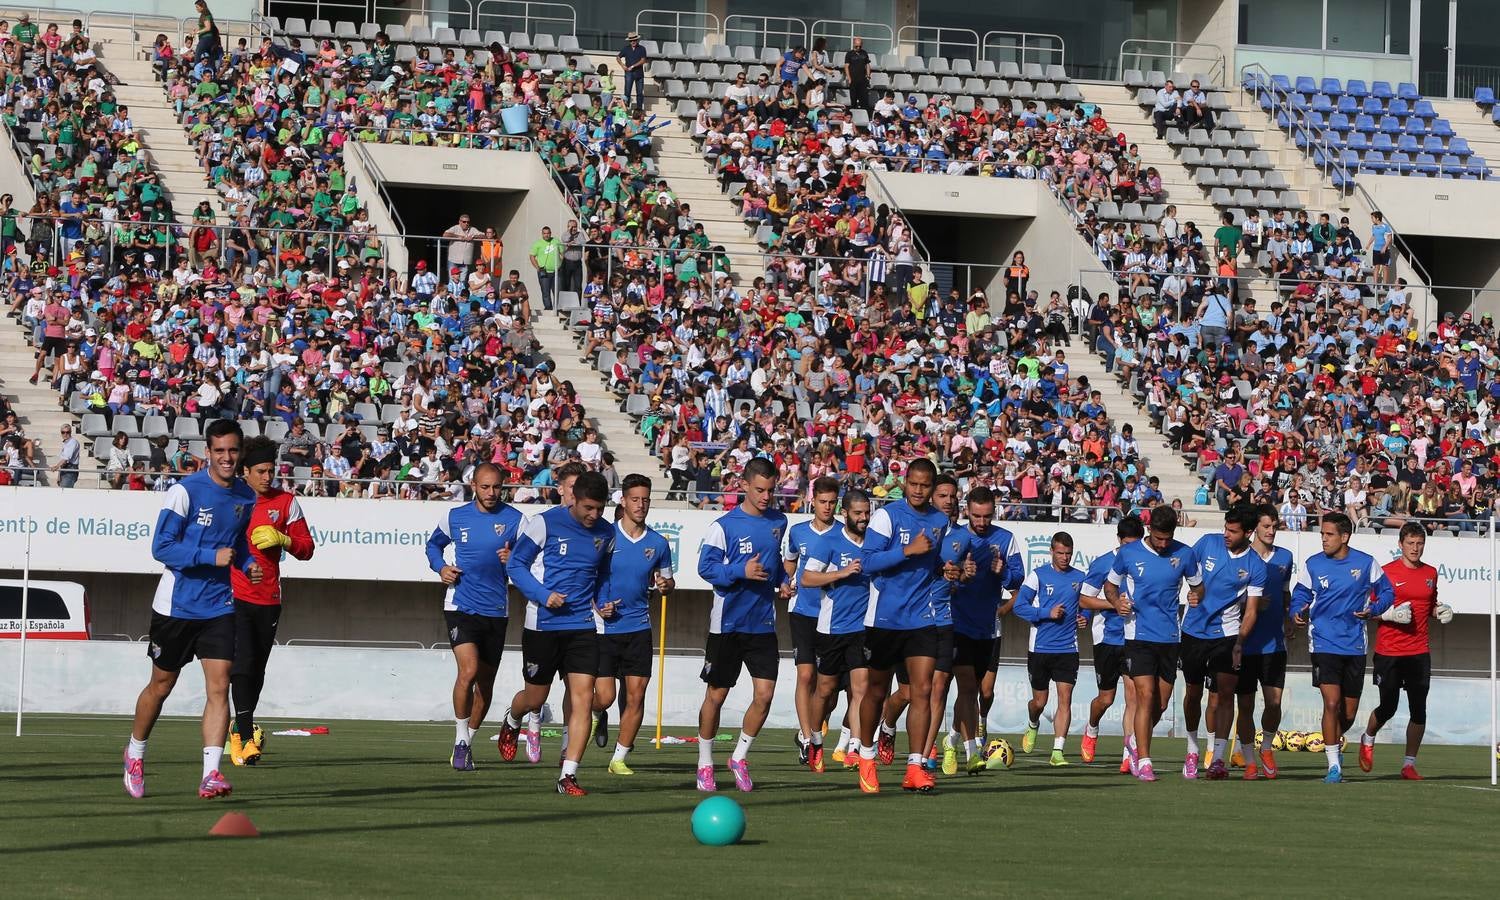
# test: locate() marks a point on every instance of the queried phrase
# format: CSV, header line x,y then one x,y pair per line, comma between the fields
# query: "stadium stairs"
x,y
172,157
1474,124
36,406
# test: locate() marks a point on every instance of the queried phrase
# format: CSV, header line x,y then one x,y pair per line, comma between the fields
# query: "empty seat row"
x,y
1385,143
1403,163
1110,211
891,63
1135,79
1266,198
1240,178
1226,159
1354,87
1388,125
1220,137
320,29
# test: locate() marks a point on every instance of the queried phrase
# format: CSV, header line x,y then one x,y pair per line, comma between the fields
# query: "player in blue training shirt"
x,y
1049,599
835,569
199,535
1334,595
1263,663
476,604
901,555
985,565
945,498
560,564
1108,632
803,618
741,558
1143,586
1214,629
640,570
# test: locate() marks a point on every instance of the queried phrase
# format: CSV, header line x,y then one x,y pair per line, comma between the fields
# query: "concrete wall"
x,y
1212,28
1436,207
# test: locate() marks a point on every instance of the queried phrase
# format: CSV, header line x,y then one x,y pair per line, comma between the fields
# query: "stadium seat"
x,y
1382,143
1400,163
1135,79
1399,108
1484,96
1359,141
1390,125
1424,162
1451,164
1355,87
296,28
1442,128
1321,103
1339,122
1423,109
1459,147
1415,127
1305,85
1381,90
1331,87
1372,106
1407,144
1408,92
1348,105
1282,83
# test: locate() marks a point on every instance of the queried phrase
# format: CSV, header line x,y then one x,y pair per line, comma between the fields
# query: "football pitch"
x,y
373,809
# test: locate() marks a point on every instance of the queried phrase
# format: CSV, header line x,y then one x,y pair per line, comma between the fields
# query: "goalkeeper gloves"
x,y
266,537
1400,615
1443,612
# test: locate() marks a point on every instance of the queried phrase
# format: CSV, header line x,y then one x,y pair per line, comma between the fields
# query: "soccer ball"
x,y
1278,740
998,750
1314,742
1296,740
1259,739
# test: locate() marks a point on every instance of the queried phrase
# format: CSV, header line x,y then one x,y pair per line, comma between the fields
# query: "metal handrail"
x,y
134,22
846,30
1022,45
707,24
1140,47
940,36
45,15
553,15
372,168
765,27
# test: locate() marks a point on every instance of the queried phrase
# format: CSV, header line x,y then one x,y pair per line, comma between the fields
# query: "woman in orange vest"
x,y
1017,274
490,250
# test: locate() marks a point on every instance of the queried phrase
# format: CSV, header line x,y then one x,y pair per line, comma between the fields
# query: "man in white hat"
x,y
633,59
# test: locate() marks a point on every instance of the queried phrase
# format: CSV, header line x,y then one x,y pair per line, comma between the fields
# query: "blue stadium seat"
x,y
1425,162
1452,165
1331,87
1339,122
1484,96
1382,143
1373,162
1459,147
1398,107
1407,144
1400,163
1359,142
1298,103
1305,85
1381,90
1342,181
1283,120
1415,127
1348,105
1432,144
1364,123
1390,125
1355,87
1442,128
1496,115
1283,82
1408,92
1372,106
1321,103
1475,165
1350,159
1422,109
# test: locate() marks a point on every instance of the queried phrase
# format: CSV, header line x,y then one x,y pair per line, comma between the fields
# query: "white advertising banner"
x,y
383,540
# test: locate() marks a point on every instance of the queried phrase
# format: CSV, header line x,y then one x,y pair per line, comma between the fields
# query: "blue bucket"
x,y
516,119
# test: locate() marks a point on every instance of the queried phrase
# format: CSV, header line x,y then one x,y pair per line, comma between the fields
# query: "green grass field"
x,y
374,809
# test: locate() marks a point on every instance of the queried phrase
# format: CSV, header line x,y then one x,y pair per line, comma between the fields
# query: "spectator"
x,y
1166,110
633,58
463,239
857,70
546,259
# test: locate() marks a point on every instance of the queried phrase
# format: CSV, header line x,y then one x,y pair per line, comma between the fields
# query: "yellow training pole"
x,y
661,668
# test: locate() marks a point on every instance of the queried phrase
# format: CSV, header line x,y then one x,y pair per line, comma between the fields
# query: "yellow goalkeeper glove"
x,y
266,536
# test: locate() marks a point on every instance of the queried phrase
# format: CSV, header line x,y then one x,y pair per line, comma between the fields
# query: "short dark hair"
x,y
1062,538
257,450
1163,518
1411,529
855,495
759,467
924,465
1130,527
633,481
222,427
572,469
591,486
1340,521
827,484
980,495
1245,515
1267,509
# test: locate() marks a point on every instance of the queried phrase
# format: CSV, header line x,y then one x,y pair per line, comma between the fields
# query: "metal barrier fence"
x,y
684,26
1022,47
935,40
1145,55
765,31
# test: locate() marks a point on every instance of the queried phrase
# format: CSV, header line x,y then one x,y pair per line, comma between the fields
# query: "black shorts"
x,y
727,653
625,655
840,654
1380,257
54,346
804,639
1204,659
974,653
547,654
885,647
1144,659
1108,660
254,636
486,633
1267,670
174,641
1405,673
1045,668
1348,672
994,665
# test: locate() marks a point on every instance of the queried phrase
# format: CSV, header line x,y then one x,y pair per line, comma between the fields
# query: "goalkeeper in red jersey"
x,y
1403,661
276,527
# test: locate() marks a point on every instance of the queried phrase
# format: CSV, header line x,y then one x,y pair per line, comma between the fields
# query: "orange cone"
x,y
234,825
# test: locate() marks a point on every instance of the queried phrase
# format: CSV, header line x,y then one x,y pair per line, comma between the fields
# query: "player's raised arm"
x,y
533,537
167,545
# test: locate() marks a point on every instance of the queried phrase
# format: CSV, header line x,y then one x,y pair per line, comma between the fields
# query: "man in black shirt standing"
x,y
633,59
857,74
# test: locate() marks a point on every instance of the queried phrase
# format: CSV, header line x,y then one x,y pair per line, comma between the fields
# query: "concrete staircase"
x,y
171,156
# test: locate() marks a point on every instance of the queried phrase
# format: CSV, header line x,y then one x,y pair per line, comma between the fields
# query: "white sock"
x,y
212,756
886,729
913,759
1091,731
533,720
1220,746
1363,739
867,751
620,751
705,752
1408,761
570,767
953,737
971,747
1057,743
742,747
844,736
1333,757
1034,725
461,732
1193,743
1143,763
135,749
817,739
511,720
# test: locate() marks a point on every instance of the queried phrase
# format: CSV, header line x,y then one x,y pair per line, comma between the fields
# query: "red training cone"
x,y
234,825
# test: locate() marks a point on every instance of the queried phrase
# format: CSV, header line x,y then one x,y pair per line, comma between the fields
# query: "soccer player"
x,y
1108,631
1263,662
1333,596
476,605
944,498
741,558
1214,629
901,555
560,563
276,526
199,536
1143,586
835,569
1403,660
641,568
1049,600
985,564
800,539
